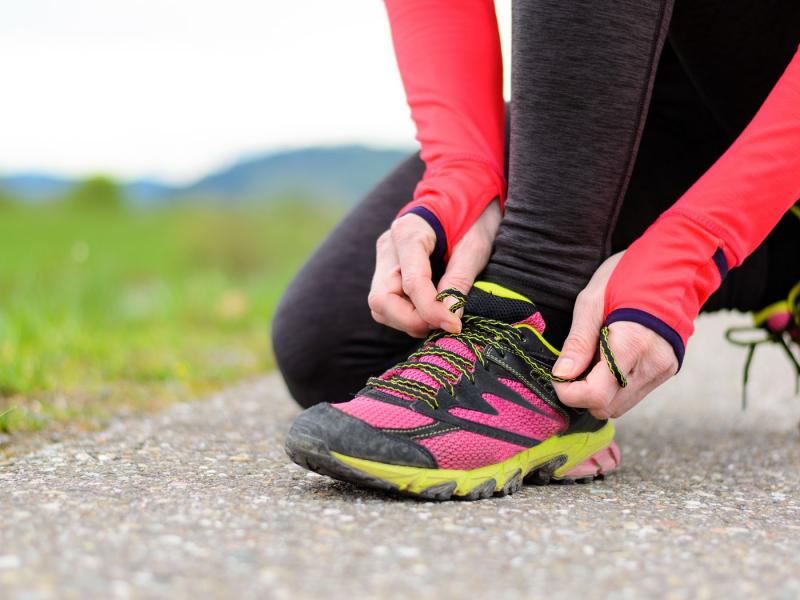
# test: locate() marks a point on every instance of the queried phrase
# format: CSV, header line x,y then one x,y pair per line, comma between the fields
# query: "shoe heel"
x,y
598,465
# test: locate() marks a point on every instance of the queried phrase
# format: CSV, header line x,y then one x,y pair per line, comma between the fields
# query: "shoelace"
x,y
768,337
477,334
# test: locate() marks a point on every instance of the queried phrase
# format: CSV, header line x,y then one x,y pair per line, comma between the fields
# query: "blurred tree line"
x,y
98,193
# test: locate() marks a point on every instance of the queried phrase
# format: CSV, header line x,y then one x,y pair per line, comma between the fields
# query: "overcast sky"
x,y
173,88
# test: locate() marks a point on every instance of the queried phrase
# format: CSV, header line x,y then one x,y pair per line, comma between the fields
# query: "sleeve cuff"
x,y
721,262
645,319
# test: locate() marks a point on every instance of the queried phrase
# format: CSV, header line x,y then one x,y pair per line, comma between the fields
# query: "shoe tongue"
x,y
487,300
501,304
496,302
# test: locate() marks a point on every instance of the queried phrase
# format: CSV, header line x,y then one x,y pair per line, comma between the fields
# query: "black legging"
x,y
579,103
585,152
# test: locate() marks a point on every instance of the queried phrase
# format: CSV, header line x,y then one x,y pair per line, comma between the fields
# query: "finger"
x,y
399,314
471,254
597,391
465,264
387,264
594,393
415,272
630,396
579,348
581,343
656,365
386,299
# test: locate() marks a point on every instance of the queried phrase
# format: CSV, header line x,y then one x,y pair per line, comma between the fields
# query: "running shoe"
x,y
778,324
468,415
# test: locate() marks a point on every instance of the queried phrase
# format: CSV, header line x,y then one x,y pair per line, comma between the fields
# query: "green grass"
x,y
103,312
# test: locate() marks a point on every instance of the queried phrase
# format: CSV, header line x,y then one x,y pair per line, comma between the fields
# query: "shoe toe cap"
x,y
323,429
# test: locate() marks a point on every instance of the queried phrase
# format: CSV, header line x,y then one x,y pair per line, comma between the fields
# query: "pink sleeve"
x,y
666,276
450,62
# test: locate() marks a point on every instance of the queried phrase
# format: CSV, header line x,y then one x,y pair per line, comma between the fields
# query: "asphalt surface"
x,y
200,501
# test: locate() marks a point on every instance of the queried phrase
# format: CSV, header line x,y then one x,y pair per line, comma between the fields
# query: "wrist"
x,y
654,324
666,276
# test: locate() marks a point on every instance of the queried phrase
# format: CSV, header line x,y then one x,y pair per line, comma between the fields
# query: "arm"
x,y
450,62
650,295
666,276
449,57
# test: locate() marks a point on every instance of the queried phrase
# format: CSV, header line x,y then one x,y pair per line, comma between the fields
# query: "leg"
x,y
449,422
734,51
330,361
471,414
482,400
582,76
325,341
690,124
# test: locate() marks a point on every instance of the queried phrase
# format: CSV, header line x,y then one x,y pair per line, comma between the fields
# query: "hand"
x,y
403,295
643,356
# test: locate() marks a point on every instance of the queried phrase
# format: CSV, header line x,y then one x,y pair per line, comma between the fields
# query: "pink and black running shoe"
x,y
467,415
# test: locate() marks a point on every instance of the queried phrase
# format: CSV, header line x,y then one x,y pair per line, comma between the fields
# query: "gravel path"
x,y
200,501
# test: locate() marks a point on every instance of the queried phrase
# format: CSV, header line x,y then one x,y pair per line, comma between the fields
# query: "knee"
x,y
299,354
280,333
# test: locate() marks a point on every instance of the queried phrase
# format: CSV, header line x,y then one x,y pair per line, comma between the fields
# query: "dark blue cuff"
x,y
655,324
721,262
440,250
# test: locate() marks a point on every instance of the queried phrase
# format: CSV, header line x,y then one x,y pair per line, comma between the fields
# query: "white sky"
x,y
173,88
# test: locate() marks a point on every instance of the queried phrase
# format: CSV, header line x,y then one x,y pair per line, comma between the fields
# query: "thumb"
x,y
581,343
461,272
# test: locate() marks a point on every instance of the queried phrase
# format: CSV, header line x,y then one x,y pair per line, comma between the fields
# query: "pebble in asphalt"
x,y
200,501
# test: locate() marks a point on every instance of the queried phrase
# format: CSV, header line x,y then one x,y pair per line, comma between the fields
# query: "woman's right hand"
x,y
403,294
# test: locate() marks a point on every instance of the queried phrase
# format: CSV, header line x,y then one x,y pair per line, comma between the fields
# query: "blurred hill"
x,y
331,175
34,186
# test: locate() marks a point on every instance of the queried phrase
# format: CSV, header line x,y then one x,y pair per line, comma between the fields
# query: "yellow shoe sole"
x,y
555,457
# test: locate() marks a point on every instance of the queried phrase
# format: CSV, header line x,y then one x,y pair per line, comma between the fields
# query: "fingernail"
x,y
449,327
563,367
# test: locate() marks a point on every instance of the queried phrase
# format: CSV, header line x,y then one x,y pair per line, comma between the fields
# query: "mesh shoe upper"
x,y
478,397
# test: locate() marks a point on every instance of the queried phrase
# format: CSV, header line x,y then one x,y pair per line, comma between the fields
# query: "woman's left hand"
x,y
643,356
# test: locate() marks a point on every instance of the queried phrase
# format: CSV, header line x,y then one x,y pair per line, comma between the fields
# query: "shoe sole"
x,y
578,457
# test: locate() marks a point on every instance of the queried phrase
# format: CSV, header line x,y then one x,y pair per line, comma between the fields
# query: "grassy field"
x,y
109,312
